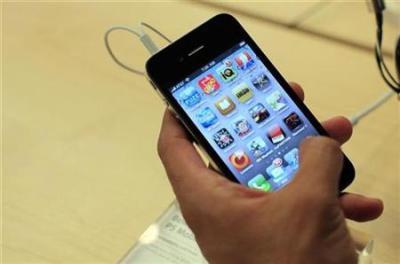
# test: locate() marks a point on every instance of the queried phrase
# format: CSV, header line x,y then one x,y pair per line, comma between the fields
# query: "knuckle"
x,y
333,149
309,142
321,144
331,144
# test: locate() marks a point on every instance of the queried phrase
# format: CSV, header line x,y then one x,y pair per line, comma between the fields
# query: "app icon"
x,y
225,105
209,84
243,92
259,113
293,121
261,82
189,96
241,127
244,61
276,169
239,160
276,101
259,183
226,71
223,138
206,117
257,147
276,134
292,158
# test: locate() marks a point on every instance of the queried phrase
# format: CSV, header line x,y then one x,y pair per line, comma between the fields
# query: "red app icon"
x,y
209,84
244,61
276,134
239,160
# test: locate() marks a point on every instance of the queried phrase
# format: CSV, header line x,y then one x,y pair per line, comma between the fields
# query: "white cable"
x,y
363,113
143,37
106,41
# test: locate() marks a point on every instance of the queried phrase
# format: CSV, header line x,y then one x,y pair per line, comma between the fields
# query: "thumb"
x,y
321,161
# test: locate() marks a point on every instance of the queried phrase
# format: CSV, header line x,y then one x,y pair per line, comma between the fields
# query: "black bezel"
x,y
173,64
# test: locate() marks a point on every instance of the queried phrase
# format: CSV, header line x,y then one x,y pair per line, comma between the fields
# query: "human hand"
x,y
304,222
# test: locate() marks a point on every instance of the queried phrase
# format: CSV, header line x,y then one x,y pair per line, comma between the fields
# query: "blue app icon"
x,y
189,96
206,117
292,158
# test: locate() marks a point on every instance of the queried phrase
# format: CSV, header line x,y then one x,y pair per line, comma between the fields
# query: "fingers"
x,y
338,128
185,169
320,165
360,208
174,145
297,89
184,165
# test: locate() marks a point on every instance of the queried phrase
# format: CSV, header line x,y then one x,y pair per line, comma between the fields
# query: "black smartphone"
x,y
235,104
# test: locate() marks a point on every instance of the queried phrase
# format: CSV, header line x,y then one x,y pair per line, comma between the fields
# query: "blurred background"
x,y
81,179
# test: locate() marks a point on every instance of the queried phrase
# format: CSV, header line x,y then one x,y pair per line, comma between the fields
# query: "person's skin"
x,y
304,222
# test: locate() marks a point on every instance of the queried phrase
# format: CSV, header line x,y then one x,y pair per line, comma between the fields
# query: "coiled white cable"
x,y
143,37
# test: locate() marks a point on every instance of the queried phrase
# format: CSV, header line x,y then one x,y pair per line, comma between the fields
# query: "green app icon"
x,y
259,183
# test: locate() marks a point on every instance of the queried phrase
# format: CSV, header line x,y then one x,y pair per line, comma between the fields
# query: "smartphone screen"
x,y
246,116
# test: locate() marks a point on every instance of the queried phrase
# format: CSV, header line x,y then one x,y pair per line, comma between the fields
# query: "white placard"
x,y
169,241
